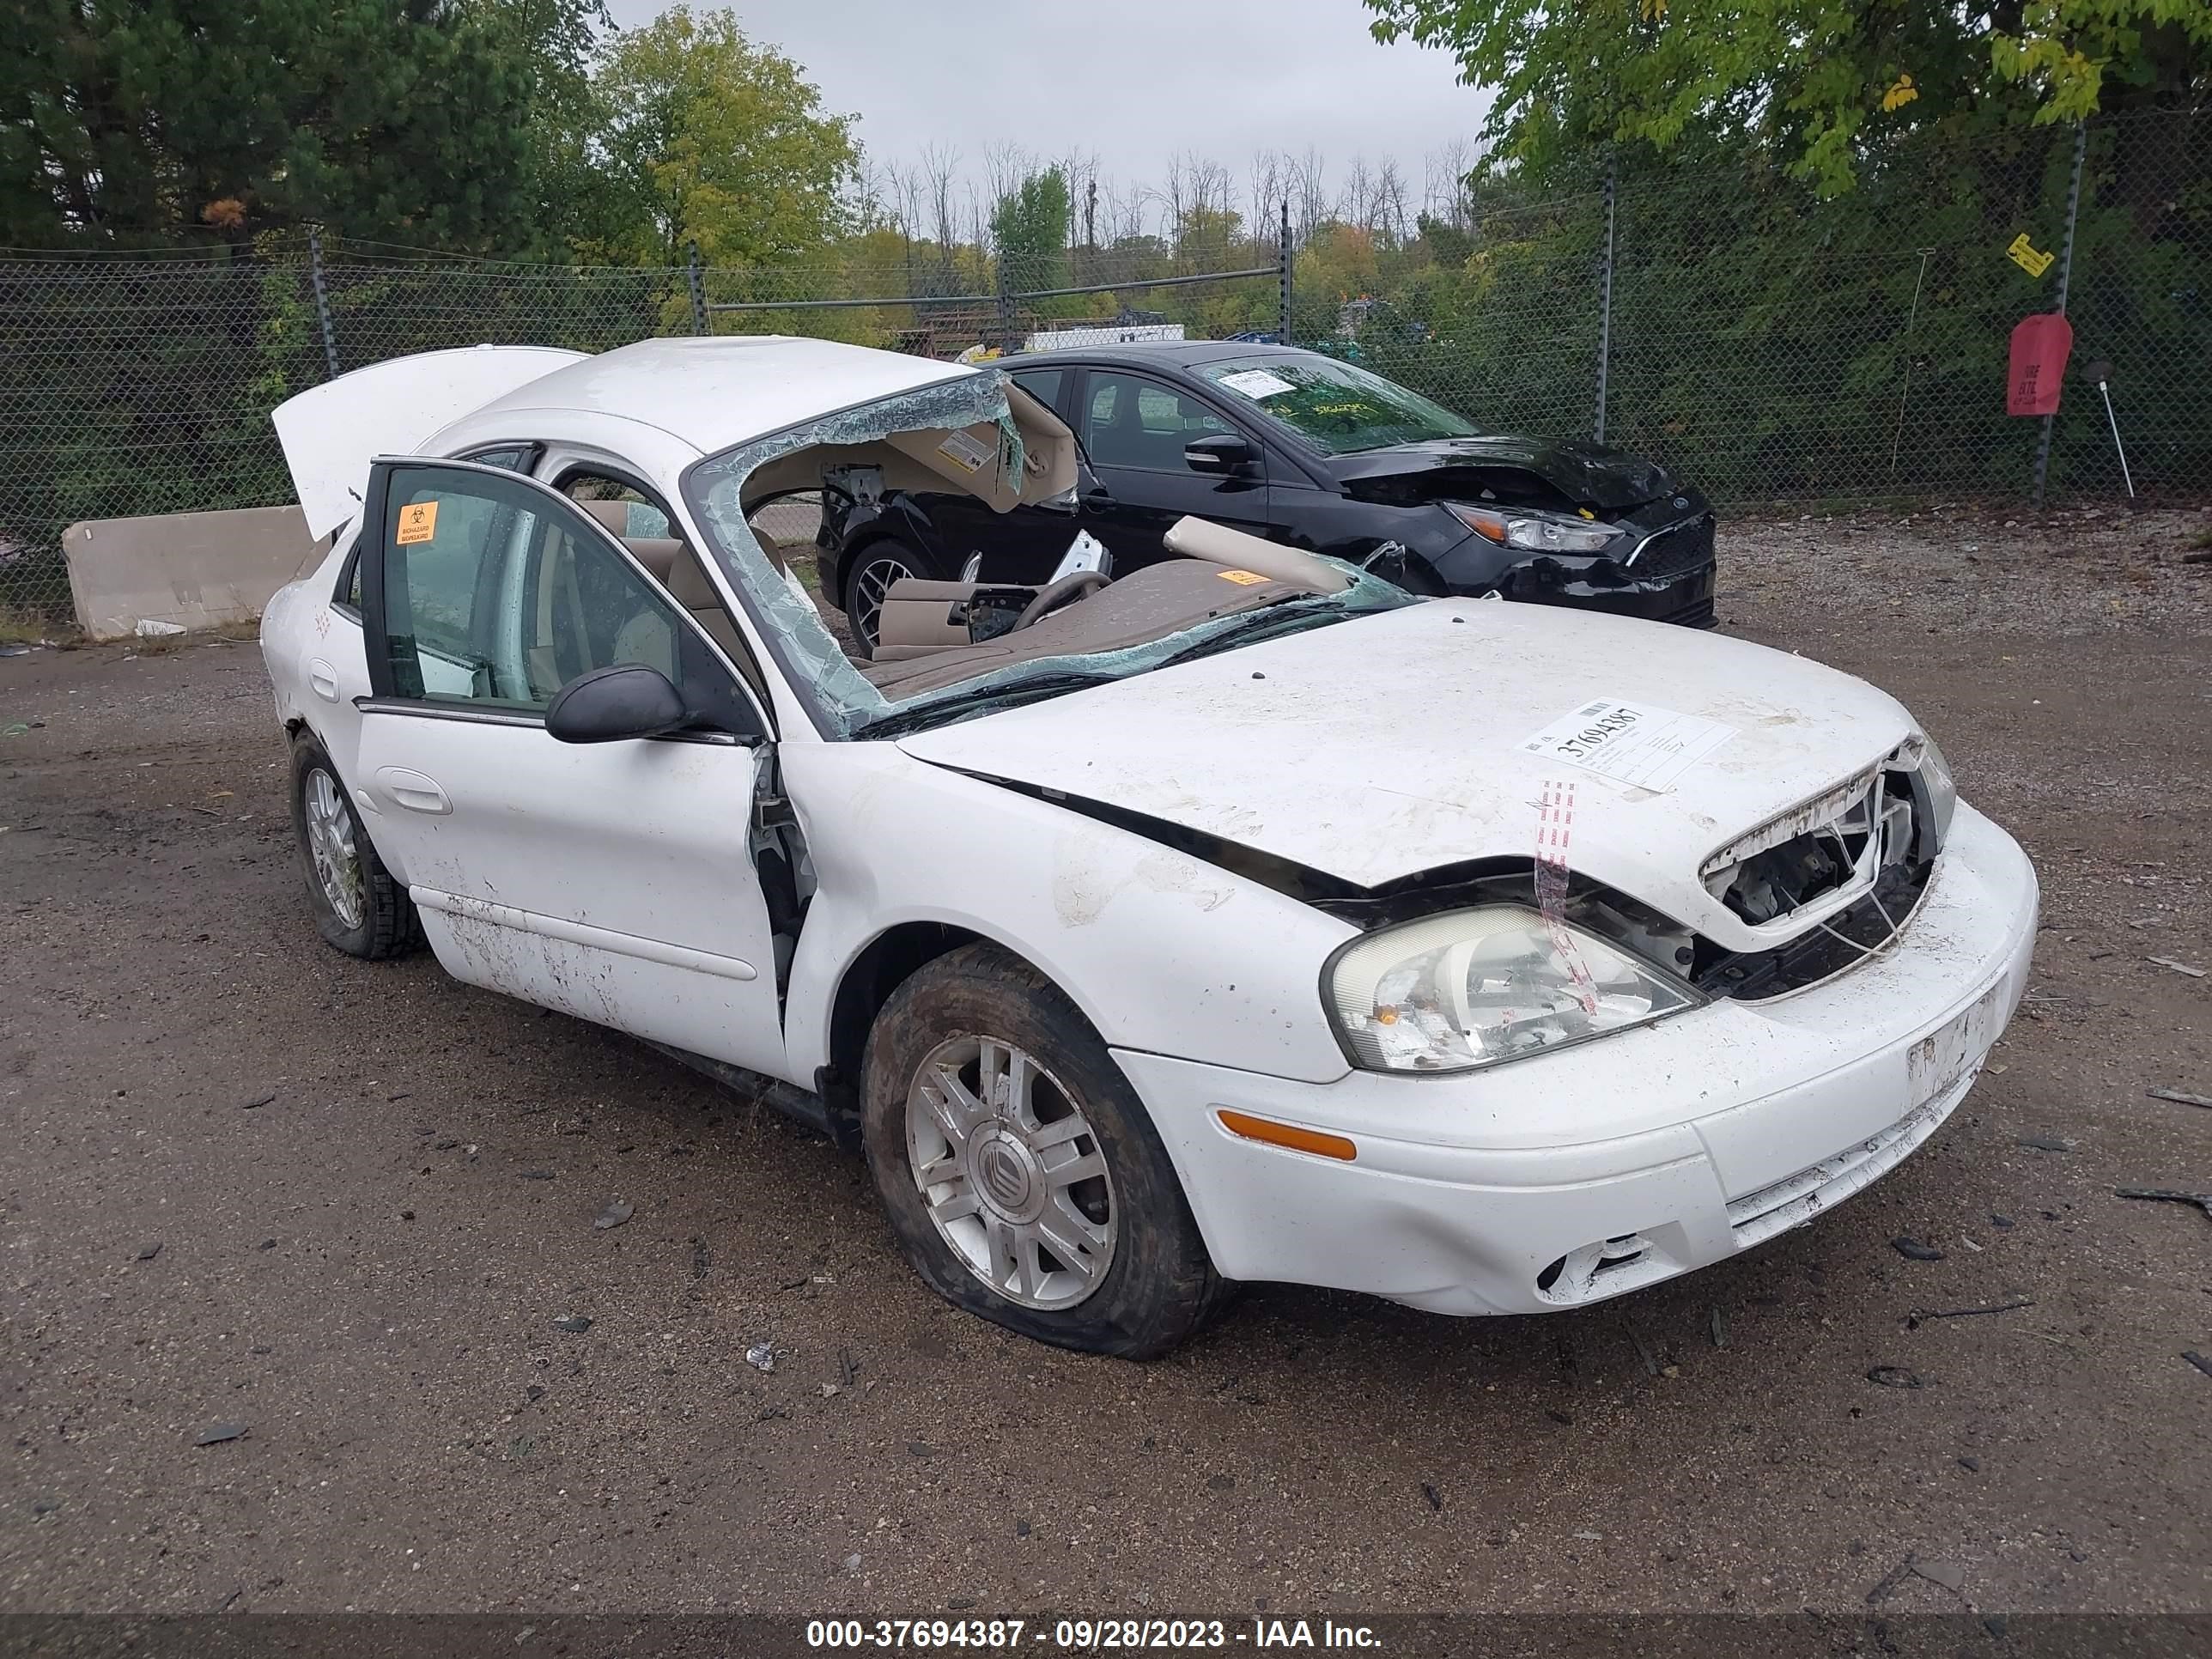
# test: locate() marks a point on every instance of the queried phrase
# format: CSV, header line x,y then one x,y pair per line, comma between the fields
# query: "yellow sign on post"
x,y
418,522
2023,254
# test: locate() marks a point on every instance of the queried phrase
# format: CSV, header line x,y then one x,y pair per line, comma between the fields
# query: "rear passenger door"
x,y
1134,429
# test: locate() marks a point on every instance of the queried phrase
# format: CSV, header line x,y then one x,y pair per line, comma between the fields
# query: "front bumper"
x,y
1664,572
1683,597
1554,1181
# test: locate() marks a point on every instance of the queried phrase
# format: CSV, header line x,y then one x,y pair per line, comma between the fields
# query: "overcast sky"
x,y
1134,82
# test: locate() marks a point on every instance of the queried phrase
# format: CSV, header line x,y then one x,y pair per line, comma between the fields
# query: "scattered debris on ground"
x,y
2179,1097
2166,1195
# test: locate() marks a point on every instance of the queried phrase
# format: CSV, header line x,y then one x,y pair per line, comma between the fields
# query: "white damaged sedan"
x,y
1238,916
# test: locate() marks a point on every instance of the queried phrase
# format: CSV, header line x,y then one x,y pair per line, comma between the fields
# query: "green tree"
x,y
1029,228
1818,80
709,137
133,122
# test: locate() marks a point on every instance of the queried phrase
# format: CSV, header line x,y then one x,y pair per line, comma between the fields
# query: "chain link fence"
x,y
1779,350
1775,348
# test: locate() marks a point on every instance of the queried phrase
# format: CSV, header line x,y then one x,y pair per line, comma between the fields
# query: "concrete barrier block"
x,y
189,570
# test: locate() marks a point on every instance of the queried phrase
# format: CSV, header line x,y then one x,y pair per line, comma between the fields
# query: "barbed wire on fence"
x,y
1775,349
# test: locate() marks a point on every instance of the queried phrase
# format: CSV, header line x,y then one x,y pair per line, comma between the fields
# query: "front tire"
x,y
359,908
1022,1175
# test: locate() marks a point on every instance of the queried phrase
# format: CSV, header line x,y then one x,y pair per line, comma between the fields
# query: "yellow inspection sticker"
x,y
418,522
1242,578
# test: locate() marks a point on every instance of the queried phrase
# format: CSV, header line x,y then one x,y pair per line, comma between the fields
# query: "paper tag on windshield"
x,y
1257,383
967,451
1242,578
418,522
1632,742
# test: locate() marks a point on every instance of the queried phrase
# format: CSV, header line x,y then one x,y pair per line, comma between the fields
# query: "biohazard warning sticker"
x,y
1631,742
418,522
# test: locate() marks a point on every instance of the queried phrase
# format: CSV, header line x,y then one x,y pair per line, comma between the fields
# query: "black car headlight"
x,y
1473,987
1538,532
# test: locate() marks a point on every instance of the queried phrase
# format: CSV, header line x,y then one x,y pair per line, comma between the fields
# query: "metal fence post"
x,y
1282,277
322,300
698,290
2065,280
1605,308
1006,342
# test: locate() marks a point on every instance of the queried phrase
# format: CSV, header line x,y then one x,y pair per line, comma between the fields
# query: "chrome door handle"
x,y
413,791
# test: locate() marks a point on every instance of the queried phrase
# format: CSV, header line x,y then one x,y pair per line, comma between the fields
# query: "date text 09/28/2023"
x,y
1088,1635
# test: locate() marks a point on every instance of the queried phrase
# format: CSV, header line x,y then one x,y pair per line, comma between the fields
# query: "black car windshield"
x,y
1333,406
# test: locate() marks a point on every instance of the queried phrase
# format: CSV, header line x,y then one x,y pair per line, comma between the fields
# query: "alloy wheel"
x,y
330,846
1011,1172
869,587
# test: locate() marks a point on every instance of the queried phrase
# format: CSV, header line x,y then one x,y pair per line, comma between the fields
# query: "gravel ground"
x,y
348,1206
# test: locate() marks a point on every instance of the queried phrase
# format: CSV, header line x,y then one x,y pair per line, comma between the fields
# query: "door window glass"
x,y
1137,422
497,594
511,457
1042,383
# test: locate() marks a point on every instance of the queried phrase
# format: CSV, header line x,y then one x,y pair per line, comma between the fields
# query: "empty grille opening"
x,y
1876,851
1840,845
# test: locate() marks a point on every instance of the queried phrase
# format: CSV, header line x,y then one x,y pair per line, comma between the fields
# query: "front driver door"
x,y
1134,430
610,881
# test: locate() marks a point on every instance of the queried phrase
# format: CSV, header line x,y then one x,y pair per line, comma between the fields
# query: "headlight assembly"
x,y
1539,532
1473,987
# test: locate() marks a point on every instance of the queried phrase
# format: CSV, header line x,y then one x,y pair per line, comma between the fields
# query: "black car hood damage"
x,y
1514,471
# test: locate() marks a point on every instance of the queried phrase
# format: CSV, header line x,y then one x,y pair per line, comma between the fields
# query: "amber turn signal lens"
x,y
1489,525
1285,1134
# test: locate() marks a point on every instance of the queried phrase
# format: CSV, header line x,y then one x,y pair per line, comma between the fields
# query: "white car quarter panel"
x,y
306,638
1158,950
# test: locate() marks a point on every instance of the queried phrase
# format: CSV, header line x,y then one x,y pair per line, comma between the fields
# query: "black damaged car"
x,y
1308,450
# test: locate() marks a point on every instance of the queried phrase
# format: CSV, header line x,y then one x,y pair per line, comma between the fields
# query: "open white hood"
x,y
331,432
1395,745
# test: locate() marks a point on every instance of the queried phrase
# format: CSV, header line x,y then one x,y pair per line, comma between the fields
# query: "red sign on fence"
x,y
2040,346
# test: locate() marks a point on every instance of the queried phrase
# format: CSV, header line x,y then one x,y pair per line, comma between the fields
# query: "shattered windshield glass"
x,y
847,701
1336,407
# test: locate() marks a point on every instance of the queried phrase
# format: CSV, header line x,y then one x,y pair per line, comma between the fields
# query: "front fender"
x,y
1160,950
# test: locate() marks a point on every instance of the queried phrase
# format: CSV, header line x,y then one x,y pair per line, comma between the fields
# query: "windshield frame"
x,y
1214,373
839,702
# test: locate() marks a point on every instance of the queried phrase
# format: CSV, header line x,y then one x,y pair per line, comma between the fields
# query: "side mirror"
x,y
610,704
1224,452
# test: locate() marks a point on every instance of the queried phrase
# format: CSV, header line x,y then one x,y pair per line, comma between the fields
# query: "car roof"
x,y
713,391
1156,353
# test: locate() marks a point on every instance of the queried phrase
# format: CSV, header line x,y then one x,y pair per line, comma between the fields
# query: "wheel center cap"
x,y
1006,1176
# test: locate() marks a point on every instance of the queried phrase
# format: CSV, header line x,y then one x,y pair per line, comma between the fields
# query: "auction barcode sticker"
x,y
1632,742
